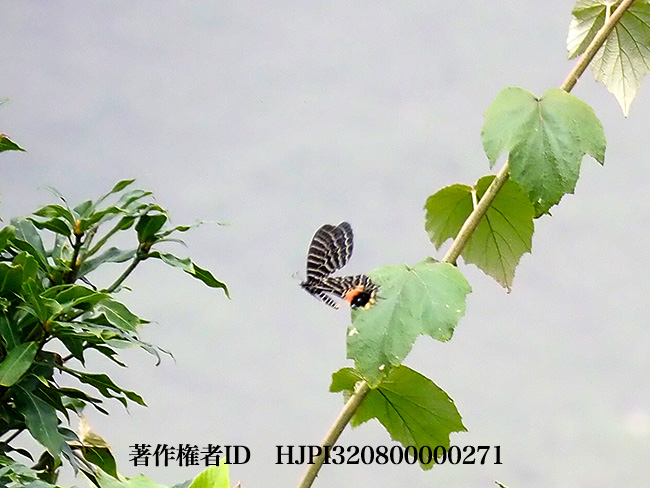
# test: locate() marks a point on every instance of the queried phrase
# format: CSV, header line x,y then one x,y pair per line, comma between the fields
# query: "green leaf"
x,y
546,139
118,315
141,481
212,477
83,210
6,235
11,279
44,309
148,225
428,298
411,407
119,186
55,211
17,362
190,268
206,277
7,144
101,457
502,236
41,420
111,255
75,296
29,240
106,386
624,58
446,211
58,226
8,331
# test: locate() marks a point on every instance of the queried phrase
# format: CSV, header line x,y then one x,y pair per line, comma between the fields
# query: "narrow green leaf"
x,y
17,362
624,59
545,138
190,268
207,278
74,295
119,186
105,386
58,226
502,236
111,255
212,477
411,407
7,144
428,298
55,211
118,315
8,330
41,420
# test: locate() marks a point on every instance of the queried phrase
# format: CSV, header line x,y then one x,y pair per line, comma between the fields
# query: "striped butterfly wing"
x,y
358,290
330,250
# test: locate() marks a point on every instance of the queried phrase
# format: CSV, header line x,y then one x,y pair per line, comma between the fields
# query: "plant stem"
x,y
360,391
123,276
72,274
593,47
475,217
362,388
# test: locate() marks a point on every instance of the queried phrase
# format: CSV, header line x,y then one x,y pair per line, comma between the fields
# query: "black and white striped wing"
x,y
330,249
342,285
317,289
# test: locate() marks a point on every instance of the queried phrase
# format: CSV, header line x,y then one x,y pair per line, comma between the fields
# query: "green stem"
x,y
72,274
360,391
136,260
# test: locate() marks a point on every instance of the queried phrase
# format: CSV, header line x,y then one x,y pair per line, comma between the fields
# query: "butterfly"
x,y
329,250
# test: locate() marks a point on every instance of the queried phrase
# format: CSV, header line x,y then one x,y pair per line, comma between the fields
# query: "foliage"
x,y
502,236
410,406
624,59
49,303
492,222
428,298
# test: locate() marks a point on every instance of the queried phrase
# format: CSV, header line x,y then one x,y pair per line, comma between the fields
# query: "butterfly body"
x,y
329,250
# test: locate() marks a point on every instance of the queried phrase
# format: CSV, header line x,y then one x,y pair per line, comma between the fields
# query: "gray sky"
x,y
280,116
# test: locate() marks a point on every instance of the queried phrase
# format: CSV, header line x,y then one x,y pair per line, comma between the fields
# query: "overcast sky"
x,y
278,117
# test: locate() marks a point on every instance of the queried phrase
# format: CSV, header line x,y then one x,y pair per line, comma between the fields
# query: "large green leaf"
x,y
428,298
546,139
41,420
411,407
502,236
111,255
17,362
624,58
